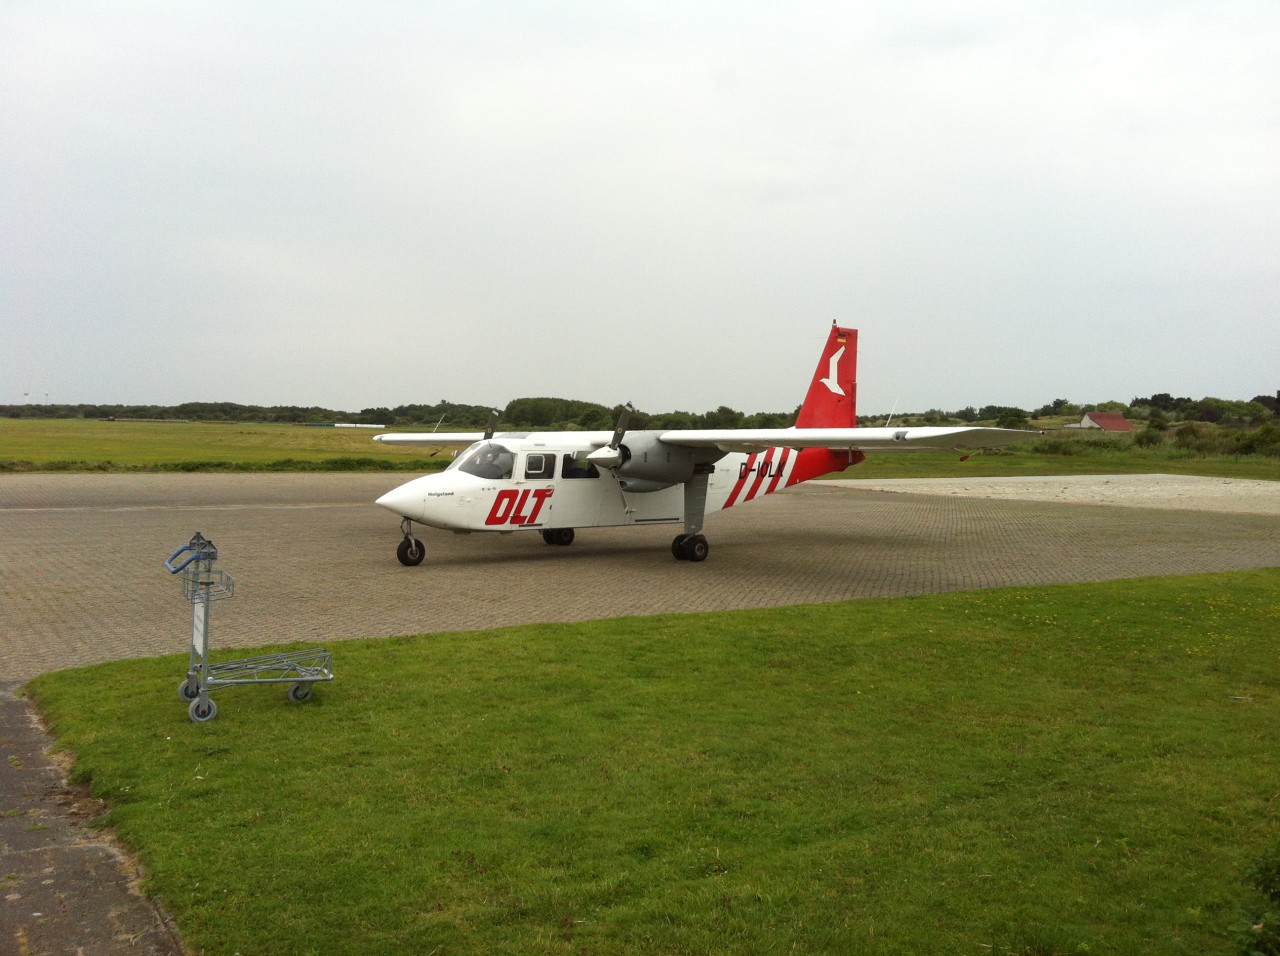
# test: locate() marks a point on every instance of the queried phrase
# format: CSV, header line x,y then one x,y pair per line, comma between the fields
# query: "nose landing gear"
x,y
410,551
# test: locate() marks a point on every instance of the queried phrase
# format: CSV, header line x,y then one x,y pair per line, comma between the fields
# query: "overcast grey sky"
x,y
365,204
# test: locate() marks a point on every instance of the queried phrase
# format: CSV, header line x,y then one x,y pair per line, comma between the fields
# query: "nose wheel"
x,y
410,552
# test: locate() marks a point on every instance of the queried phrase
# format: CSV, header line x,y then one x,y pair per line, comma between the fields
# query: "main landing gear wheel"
x,y
690,547
411,552
560,536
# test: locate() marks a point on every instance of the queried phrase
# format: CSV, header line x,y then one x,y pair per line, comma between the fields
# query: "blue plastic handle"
x,y
186,547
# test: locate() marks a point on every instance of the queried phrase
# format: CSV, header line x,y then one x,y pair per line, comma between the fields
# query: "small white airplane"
x,y
556,482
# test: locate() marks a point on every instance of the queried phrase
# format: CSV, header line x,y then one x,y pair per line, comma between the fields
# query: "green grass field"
x,y
94,445
1070,769
1086,455
29,444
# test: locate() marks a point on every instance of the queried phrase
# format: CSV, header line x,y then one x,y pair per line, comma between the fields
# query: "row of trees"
x,y
1158,410
551,413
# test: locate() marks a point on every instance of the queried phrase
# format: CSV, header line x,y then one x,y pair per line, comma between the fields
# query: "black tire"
x,y
677,548
696,548
560,536
299,692
411,552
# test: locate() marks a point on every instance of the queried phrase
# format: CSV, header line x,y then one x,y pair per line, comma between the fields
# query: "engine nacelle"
x,y
649,464
640,486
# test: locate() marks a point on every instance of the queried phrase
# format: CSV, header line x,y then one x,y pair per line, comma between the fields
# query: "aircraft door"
x,y
527,502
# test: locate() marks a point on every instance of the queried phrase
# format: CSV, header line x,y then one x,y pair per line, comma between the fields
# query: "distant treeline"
x,y
1157,410
548,413
232,412
521,413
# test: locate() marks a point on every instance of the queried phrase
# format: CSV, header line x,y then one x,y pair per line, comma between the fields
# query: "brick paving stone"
x,y
82,577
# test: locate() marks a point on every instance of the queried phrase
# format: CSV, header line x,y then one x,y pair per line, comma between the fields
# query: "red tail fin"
x,y
832,398
830,403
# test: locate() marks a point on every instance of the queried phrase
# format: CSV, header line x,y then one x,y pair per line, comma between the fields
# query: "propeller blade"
x,y
621,428
493,424
610,456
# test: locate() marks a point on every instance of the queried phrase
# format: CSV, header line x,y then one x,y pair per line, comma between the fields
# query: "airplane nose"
x,y
406,501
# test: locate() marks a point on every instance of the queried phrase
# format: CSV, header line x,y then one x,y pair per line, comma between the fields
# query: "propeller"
x,y
613,454
493,423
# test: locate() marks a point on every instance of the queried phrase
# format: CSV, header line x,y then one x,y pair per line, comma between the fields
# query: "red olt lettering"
x,y
509,506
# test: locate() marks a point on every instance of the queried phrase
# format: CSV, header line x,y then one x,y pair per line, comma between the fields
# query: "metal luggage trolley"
x,y
202,585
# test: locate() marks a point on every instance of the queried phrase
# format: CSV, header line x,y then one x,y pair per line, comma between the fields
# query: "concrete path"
x,y
1176,492
64,886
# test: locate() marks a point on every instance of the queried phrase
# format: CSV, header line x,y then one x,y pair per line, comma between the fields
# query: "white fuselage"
x,y
544,481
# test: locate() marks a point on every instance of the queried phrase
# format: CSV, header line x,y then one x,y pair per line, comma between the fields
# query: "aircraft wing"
x,y
870,440
429,438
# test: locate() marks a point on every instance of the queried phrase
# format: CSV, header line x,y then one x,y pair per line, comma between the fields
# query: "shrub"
x,y
1195,437
1057,446
1258,441
1258,932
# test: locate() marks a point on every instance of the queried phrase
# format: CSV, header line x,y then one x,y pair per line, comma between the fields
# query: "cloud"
x,y
352,206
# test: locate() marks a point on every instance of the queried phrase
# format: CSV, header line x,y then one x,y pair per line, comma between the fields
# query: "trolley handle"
x,y
185,548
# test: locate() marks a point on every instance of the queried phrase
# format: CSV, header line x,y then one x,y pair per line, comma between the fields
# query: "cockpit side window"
x,y
539,466
578,468
489,460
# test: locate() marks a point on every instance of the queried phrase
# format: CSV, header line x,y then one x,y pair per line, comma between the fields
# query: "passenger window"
x,y
540,467
576,468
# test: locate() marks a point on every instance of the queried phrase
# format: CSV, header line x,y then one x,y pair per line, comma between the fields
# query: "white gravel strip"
x,y
1182,492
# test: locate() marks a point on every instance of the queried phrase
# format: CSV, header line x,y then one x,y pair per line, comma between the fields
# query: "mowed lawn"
x,y
1086,768
95,445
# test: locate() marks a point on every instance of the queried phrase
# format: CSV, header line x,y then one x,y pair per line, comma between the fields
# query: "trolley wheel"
x,y
188,691
202,712
411,552
299,692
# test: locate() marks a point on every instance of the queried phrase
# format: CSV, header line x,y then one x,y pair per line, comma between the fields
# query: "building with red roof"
x,y
1107,421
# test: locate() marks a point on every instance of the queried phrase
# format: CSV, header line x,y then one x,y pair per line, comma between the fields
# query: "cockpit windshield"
x,y
487,459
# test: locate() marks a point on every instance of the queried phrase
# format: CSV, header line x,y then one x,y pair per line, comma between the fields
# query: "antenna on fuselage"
x,y
891,411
